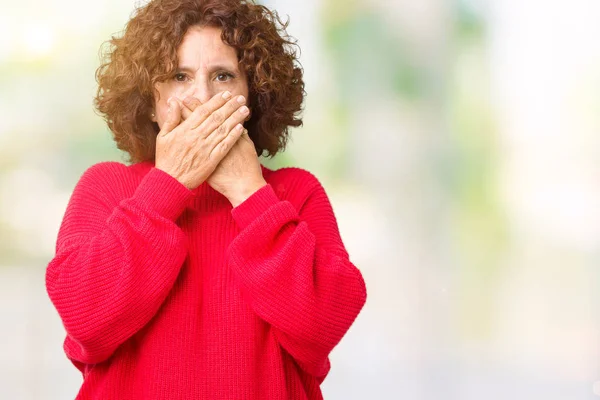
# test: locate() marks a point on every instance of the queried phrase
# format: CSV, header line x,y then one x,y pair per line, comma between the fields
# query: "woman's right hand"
x,y
190,150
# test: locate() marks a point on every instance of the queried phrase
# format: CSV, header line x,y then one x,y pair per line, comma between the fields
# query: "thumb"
x,y
173,117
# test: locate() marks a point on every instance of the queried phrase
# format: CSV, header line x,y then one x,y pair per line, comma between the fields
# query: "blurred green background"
x,y
459,142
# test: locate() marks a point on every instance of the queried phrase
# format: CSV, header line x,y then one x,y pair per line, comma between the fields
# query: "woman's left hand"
x,y
238,175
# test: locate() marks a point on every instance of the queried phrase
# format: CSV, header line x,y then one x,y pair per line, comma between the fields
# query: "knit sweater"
x,y
170,293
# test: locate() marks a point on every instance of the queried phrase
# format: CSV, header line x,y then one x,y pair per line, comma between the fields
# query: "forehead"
x,y
202,46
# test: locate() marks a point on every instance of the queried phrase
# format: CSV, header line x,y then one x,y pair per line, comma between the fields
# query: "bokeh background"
x,y
459,142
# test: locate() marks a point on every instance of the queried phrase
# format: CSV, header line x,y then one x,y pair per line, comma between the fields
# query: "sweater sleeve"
x,y
295,274
115,261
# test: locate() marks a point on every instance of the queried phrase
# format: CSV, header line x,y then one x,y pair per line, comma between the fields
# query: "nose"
x,y
200,90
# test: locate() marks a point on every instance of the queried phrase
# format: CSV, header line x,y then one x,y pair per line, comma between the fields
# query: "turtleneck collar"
x,y
202,192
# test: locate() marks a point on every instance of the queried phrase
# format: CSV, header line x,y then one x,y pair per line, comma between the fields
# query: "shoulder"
x,y
293,183
109,181
113,172
292,177
101,169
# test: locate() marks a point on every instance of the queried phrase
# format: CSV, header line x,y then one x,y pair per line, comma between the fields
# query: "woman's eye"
x,y
180,77
224,77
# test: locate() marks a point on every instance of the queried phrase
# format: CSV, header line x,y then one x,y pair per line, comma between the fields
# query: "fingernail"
x,y
227,95
244,110
241,99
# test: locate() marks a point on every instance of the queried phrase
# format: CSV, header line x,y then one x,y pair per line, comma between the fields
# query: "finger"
x,y
200,114
224,119
185,110
173,117
223,147
191,102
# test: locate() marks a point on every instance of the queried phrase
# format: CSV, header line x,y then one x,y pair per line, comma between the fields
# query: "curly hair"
x,y
146,53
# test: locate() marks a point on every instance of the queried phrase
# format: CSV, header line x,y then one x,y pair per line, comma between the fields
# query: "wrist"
x,y
178,177
241,193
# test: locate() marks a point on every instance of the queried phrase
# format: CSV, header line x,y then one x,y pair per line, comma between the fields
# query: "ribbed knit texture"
x,y
169,293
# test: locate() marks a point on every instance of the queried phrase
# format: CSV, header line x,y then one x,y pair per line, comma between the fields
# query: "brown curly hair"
x,y
146,53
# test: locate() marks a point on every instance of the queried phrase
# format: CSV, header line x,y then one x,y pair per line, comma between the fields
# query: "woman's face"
x,y
206,67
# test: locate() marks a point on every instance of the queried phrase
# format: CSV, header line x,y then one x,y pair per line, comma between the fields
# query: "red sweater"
x,y
170,293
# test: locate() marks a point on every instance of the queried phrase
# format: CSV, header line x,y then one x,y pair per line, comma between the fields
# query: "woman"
x,y
195,272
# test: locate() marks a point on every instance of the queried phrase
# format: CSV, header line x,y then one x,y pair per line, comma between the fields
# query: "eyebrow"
x,y
212,68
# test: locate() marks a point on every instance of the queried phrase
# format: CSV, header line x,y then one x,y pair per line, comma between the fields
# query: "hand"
x,y
190,100
238,175
191,150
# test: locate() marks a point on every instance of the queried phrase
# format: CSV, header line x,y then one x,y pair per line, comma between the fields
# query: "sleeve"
x,y
115,263
295,274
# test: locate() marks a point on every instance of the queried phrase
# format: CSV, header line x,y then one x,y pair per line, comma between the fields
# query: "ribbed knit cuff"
x,y
248,210
162,193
